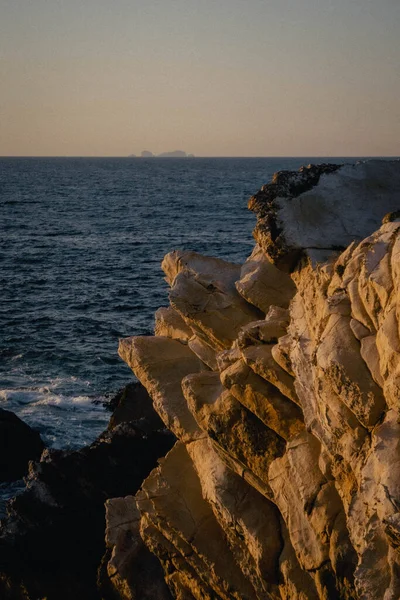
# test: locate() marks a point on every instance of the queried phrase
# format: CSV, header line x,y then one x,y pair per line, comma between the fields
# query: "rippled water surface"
x,y
81,241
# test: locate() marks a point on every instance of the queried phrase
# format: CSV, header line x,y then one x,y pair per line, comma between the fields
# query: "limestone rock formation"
x,y
284,393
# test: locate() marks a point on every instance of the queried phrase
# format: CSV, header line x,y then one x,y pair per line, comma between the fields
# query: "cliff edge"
x,y
280,378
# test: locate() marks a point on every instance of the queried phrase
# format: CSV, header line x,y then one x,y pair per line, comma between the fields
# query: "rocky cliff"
x,y
280,378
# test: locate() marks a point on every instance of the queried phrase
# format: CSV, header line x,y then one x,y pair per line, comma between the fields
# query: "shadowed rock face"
x,y
18,445
52,540
289,466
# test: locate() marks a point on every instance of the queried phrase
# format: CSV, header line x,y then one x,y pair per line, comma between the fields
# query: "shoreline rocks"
x,y
19,444
283,389
52,541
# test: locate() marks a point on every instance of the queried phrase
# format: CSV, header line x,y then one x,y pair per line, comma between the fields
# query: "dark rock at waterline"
x,y
18,445
52,541
133,403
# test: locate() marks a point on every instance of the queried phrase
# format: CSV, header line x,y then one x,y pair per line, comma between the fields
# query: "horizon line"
x,y
129,157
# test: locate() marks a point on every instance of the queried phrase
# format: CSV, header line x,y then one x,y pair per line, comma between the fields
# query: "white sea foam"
x,y
41,396
17,396
64,421
69,402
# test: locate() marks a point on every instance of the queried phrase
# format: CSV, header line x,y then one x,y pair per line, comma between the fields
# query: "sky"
x,y
211,77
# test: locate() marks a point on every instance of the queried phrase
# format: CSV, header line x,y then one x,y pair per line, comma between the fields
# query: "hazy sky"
x,y
212,77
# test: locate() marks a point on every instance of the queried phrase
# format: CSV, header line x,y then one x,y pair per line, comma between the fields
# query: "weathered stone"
x,y
262,284
370,354
281,354
267,331
185,260
339,358
171,501
310,506
292,466
377,504
250,522
169,323
206,354
160,364
358,329
261,361
323,207
263,399
227,358
203,292
133,572
296,583
238,431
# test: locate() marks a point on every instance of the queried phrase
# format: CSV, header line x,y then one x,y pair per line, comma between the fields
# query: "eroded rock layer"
x,y
283,392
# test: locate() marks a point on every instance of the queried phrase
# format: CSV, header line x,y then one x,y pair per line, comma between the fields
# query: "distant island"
x,y
174,154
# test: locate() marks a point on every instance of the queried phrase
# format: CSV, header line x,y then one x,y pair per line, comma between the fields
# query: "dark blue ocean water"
x,y
81,241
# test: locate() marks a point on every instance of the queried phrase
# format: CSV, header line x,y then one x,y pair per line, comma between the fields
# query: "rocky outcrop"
x,y
321,209
19,444
129,570
52,541
283,391
132,403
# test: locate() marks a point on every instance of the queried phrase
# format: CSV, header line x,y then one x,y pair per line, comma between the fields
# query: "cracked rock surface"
x,y
283,392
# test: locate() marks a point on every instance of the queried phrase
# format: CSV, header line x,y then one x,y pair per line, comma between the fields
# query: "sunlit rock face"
x,y
283,391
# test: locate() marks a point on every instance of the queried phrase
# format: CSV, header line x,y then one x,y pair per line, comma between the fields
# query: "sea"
x,y
81,242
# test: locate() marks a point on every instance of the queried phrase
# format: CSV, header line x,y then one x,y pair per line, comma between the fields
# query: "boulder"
x,y
133,403
169,323
255,541
263,399
234,428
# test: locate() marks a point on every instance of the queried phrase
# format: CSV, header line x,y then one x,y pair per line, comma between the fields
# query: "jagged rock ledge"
x,y
283,392
321,209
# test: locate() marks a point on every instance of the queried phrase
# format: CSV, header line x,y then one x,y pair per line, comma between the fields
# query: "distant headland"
x,y
173,154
